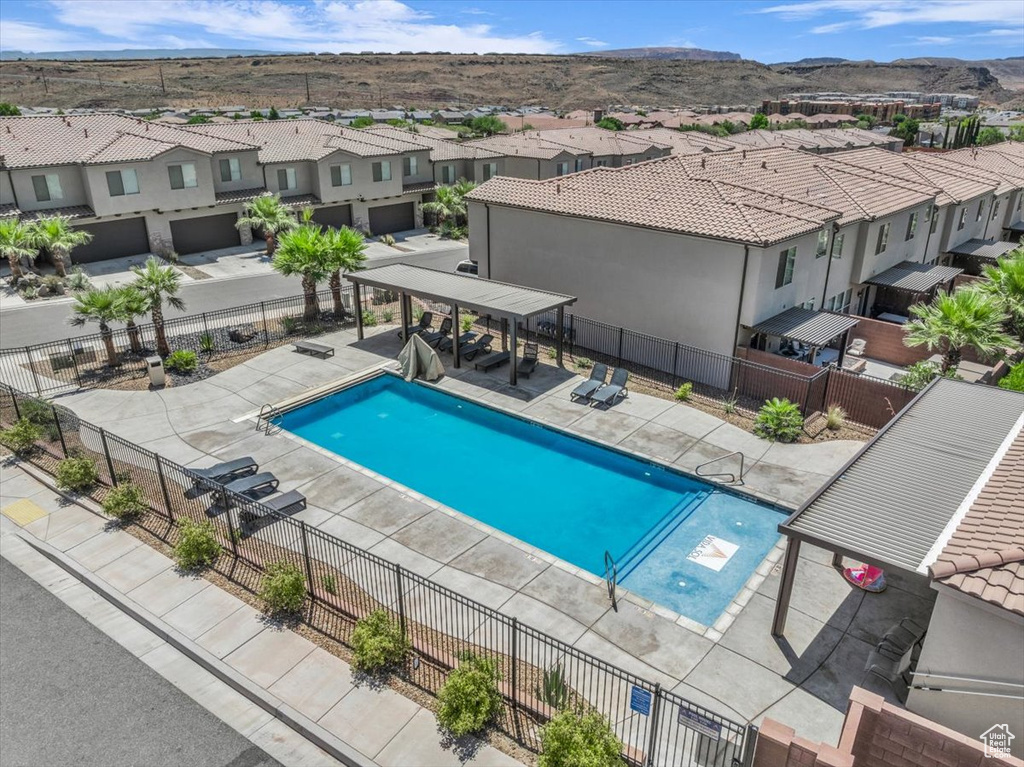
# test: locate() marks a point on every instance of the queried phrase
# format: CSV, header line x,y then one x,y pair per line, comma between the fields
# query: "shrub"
x,y
552,353
919,375
77,474
78,280
553,690
835,418
584,363
206,343
387,315
21,438
284,588
378,642
729,403
369,318
40,414
387,239
182,361
779,420
125,501
684,392
197,546
577,739
291,324
466,322
53,284
1014,380
469,697
30,292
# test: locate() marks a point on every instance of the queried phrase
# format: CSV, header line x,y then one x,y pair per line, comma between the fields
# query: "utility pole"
x,y
163,88
46,87
380,96
308,99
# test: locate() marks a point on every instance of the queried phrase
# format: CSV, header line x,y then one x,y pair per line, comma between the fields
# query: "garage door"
x,y
193,235
336,216
112,239
392,218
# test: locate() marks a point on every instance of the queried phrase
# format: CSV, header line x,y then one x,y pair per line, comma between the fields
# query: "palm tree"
x,y
102,306
133,304
56,235
158,284
449,204
1006,284
346,252
15,244
303,251
965,318
269,216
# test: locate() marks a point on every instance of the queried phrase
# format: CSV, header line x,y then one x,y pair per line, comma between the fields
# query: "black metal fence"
x,y
346,583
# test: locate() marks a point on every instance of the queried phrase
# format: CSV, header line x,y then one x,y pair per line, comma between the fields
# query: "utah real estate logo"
x,y
997,741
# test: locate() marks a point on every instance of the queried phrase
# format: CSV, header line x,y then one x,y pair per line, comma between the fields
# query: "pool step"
x,y
667,525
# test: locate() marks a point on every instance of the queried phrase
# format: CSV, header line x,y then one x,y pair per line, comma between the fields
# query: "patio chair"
x,y
440,334
483,344
529,361
592,384
447,343
613,390
857,347
422,327
225,472
253,486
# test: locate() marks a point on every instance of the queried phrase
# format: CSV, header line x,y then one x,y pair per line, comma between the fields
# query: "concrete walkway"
x,y
803,681
384,727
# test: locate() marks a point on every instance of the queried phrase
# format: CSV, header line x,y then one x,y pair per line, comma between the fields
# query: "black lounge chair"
x,y
446,344
529,361
492,360
225,472
257,484
279,503
592,384
611,391
438,335
483,344
422,327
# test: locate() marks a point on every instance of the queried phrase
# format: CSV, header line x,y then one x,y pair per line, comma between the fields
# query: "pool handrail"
x,y
724,473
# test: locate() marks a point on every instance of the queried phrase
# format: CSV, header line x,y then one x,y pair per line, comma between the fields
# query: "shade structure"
x,y
807,326
913,277
987,249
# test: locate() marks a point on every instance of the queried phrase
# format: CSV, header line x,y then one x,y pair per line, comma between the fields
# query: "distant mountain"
x,y
131,53
682,54
818,62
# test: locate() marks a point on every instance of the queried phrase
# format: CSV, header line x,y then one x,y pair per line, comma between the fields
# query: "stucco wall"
x,y
897,249
248,162
70,184
762,299
973,229
154,185
306,178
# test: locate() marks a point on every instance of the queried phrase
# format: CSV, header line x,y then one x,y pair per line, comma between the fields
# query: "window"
x,y
286,179
490,170
912,226
561,168
934,218
341,175
447,174
784,276
122,182
830,304
47,187
230,170
410,166
600,163
981,207
579,163
963,220
995,209
837,245
382,170
883,239
822,248
183,176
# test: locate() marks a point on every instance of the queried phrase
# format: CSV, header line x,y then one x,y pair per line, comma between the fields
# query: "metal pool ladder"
x,y
611,577
266,417
729,474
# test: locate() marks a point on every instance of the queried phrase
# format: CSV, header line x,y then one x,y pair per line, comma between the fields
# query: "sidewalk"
x,y
299,680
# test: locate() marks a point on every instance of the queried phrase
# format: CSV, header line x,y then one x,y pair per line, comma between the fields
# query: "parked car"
x,y
467,267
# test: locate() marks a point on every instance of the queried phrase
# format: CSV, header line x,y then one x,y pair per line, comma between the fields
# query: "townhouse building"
x,y
450,160
530,155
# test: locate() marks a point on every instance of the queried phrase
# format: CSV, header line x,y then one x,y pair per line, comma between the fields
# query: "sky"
x,y
767,31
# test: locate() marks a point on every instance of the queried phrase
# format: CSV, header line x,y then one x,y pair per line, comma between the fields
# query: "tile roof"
x,y
599,142
953,182
985,555
686,142
10,210
39,141
663,194
441,149
543,122
528,144
810,140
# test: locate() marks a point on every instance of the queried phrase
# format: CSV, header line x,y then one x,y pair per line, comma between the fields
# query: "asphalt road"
x,y
42,322
72,697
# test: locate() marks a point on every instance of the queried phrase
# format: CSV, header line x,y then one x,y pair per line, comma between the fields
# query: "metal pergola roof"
x,y
497,299
914,277
893,501
988,249
807,326
1017,226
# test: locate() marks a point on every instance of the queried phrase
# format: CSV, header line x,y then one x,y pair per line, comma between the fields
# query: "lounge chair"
x,y
592,384
225,472
438,335
529,361
492,360
446,344
857,347
422,327
483,344
252,486
278,502
610,392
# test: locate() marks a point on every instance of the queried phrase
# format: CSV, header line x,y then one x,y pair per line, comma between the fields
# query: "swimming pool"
x,y
678,541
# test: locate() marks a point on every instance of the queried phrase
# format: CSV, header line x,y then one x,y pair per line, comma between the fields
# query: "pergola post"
x,y
842,348
456,332
513,368
785,587
504,334
559,336
357,299
403,302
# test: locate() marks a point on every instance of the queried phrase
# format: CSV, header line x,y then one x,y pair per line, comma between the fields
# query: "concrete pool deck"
x,y
735,667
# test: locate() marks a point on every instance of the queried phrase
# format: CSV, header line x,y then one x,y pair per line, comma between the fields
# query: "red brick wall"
x,y
885,343
777,361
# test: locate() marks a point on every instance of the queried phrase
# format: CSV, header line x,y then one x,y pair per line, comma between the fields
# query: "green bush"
x,y
369,318
1014,380
578,739
77,474
283,589
378,642
21,438
125,501
182,361
684,392
197,546
330,584
387,315
469,697
779,420
206,343
835,418
466,322
41,414
553,689
919,375
584,363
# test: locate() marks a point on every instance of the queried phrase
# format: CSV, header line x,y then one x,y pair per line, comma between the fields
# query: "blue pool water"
x,y
561,494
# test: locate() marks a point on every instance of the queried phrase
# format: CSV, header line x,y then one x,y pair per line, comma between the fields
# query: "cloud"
x,y
827,29
871,14
592,42
933,40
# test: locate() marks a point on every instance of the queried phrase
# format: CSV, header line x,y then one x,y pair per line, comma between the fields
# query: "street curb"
x,y
298,722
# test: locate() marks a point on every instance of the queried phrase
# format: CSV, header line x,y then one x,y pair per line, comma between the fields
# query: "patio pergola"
x,y
806,326
511,304
897,502
912,279
974,254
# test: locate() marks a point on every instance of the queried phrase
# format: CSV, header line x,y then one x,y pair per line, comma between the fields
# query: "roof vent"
x,y
744,152
703,162
764,164
86,132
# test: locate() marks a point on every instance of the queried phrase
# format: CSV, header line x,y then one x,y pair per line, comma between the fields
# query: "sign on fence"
x,y
640,700
696,721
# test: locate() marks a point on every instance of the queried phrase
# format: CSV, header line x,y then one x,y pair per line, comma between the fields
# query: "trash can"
x,y
155,365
